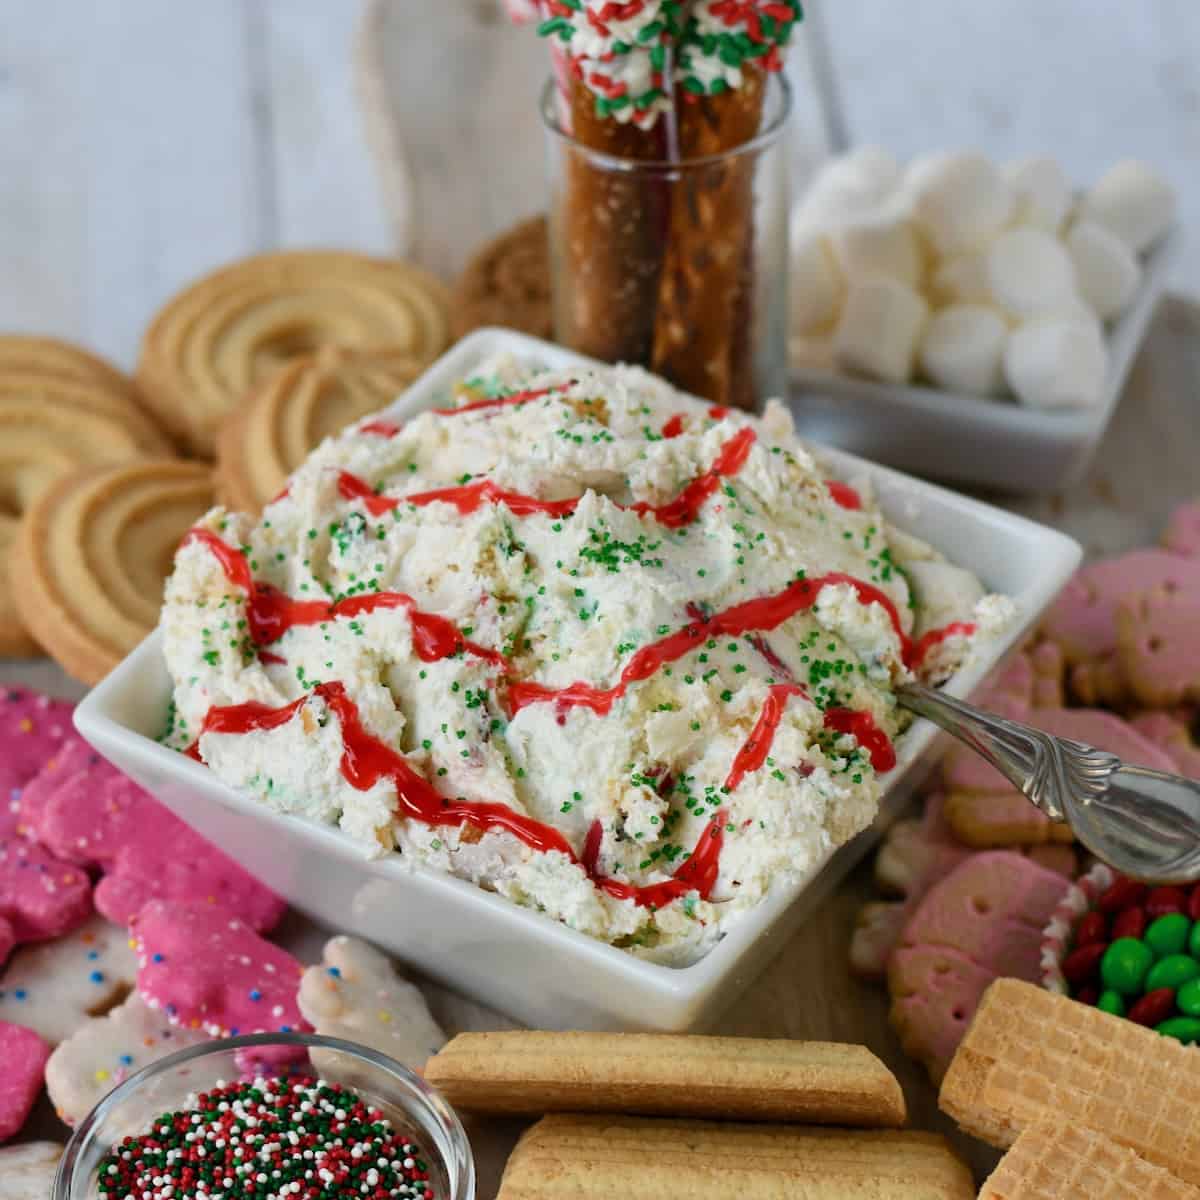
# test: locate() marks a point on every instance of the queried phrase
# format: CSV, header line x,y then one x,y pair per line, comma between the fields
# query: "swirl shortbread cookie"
x,y
219,337
507,282
91,555
260,444
637,709
60,408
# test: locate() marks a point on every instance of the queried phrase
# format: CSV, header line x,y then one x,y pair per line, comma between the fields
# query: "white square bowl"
x,y
967,439
514,959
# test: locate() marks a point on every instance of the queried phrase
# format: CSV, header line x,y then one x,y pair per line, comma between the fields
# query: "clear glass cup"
x,y
408,1102
676,264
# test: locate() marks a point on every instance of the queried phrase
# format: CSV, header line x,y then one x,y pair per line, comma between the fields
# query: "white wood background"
x,y
143,142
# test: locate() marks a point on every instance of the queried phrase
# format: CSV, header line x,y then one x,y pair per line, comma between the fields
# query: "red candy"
x,y
1131,924
1088,994
1163,900
1153,1007
1081,965
1194,903
1092,927
1124,893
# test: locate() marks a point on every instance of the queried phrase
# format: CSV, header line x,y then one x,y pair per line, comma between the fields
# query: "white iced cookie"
x,y
356,994
105,1051
961,201
881,244
1133,201
879,330
54,987
1060,363
1029,272
817,287
1107,272
1041,191
963,349
961,280
27,1171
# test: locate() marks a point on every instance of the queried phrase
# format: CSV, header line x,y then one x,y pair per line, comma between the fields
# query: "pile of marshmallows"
x,y
979,279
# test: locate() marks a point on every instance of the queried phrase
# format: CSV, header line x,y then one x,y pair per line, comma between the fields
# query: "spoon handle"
x,y
1046,769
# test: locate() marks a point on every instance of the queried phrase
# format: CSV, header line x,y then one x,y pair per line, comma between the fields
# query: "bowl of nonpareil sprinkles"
x,y
270,1117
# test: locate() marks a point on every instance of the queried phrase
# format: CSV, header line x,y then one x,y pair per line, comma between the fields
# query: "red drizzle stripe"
x,y
387,429
673,426
501,401
844,495
935,637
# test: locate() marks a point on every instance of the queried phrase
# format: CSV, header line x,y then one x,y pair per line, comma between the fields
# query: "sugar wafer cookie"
x,y
1031,1054
1060,1161
214,341
261,443
93,551
527,1072
649,1159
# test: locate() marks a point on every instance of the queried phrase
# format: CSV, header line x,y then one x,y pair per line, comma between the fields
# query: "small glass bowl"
x,y
408,1102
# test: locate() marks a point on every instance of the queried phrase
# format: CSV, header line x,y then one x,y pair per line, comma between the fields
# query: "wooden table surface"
x,y
141,144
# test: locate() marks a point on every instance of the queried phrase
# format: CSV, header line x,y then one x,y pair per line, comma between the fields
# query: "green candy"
x,y
1172,972
1187,999
1111,1002
1124,966
1184,1029
1168,935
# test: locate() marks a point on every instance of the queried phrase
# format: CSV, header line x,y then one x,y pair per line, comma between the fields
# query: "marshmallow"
x,y
960,201
879,245
1029,272
1107,272
811,354
962,280
879,329
1060,363
868,171
1042,193
963,350
1132,201
816,284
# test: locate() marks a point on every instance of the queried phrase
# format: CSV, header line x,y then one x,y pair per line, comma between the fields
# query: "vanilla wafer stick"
x,y
644,1159
1031,1054
531,1073
1053,1160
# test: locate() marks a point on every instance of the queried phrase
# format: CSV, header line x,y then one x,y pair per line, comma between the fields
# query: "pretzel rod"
x,y
702,329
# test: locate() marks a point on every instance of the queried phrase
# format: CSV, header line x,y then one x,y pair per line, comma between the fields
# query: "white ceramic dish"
x,y
964,439
524,964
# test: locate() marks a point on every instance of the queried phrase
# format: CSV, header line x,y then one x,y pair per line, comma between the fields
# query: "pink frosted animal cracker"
x,y
356,994
105,1051
74,762
54,987
23,1055
1182,534
206,969
985,917
33,728
103,819
40,897
1158,645
1174,734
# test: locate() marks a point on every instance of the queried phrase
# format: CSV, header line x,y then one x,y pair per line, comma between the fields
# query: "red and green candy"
x,y
1137,955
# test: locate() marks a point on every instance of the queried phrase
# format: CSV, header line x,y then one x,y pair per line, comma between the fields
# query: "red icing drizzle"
x,y
673,426
270,613
870,737
467,498
387,429
935,637
501,401
844,495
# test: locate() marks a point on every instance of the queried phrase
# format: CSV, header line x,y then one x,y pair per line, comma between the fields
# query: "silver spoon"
x,y
1145,824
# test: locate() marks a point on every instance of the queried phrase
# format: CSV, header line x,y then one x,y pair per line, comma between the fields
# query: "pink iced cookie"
x,y
103,819
23,1055
1174,736
1158,646
1182,534
208,970
989,913
32,728
40,897
75,762
1083,619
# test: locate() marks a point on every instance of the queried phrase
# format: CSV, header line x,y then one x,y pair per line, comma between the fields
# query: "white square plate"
x,y
966,439
512,958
